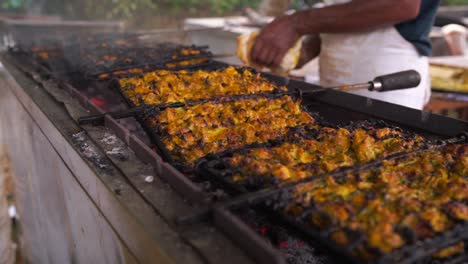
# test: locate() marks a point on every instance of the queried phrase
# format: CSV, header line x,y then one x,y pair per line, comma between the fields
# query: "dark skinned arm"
x,y
359,15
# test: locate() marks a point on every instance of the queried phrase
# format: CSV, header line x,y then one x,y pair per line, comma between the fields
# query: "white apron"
x,y
359,57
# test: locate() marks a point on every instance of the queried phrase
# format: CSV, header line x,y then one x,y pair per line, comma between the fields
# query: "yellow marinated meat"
x,y
193,132
185,63
425,193
458,210
164,86
420,193
331,149
450,251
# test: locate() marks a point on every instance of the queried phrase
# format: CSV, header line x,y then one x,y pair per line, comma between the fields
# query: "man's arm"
x,y
359,15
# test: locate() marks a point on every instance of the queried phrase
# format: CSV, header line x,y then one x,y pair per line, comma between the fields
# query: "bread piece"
x,y
289,62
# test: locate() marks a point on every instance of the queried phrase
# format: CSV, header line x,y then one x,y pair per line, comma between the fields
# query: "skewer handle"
x,y
396,81
385,83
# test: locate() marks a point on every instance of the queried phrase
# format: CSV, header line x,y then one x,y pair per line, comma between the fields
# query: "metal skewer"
x,y
386,83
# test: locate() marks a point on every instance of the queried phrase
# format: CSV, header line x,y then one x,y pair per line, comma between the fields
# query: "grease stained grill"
x,y
368,191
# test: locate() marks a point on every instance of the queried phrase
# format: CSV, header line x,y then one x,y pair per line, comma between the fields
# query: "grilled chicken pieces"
x,y
328,150
372,212
404,200
169,87
191,133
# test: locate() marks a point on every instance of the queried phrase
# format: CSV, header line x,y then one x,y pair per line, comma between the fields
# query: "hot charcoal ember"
x,y
374,212
163,86
295,250
190,133
315,150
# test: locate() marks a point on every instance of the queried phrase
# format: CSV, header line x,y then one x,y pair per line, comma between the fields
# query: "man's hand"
x,y
274,41
355,16
311,47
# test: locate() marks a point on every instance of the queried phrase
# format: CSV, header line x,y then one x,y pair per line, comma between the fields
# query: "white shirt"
x,y
350,58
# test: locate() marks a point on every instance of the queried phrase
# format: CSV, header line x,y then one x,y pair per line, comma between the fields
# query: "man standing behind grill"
x,y
358,40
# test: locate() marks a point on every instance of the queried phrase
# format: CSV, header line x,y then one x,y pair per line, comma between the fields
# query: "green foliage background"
x,y
107,9
138,12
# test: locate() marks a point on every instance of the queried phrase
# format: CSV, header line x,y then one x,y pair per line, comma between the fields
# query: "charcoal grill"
x,y
146,112
277,197
220,175
338,109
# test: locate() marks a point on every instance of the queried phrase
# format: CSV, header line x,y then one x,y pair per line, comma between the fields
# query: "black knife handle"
x,y
396,81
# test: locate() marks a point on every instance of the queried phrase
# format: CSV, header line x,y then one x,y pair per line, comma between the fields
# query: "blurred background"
x,y
143,14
